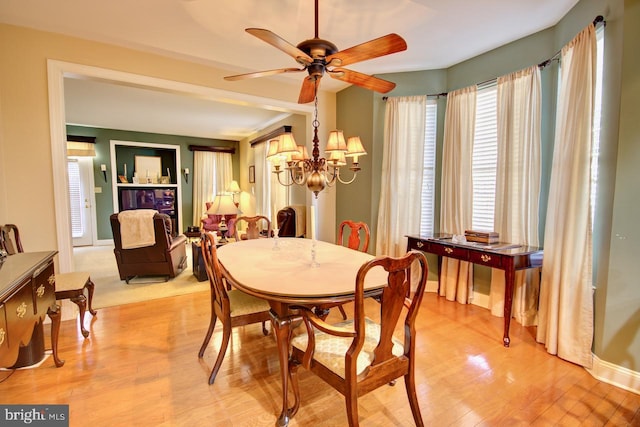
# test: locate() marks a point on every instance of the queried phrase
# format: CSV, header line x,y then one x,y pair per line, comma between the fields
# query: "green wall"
x,y
616,240
104,200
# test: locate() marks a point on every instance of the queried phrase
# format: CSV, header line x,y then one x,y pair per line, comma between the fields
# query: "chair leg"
x,y
344,314
265,332
81,302
226,335
90,288
293,379
351,400
207,338
410,385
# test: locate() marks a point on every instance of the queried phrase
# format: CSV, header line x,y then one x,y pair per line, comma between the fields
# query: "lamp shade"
x,y
233,187
223,205
337,158
355,147
273,148
336,142
287,144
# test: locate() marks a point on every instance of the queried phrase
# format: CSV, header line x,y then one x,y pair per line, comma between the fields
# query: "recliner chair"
x,y
167,257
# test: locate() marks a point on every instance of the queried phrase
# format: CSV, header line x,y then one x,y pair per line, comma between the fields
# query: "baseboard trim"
x,y
615,375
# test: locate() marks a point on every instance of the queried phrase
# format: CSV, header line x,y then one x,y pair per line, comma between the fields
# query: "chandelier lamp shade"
x,y
315,172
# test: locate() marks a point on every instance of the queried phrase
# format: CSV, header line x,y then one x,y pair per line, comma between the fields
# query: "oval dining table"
x,y
283,272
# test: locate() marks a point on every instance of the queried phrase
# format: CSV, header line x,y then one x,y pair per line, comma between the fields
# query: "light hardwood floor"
x,y
140,367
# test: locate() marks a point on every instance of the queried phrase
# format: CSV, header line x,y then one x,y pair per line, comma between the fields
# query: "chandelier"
x,y
316,172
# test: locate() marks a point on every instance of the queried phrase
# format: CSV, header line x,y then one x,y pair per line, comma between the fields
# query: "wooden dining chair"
x,y
69,286
358,237
232,307
360,355
253,229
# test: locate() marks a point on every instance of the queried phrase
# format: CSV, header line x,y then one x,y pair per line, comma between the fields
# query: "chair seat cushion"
x,y
330,350
71,281
242,303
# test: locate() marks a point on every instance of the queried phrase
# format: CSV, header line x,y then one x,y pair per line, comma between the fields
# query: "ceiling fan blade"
x,y
263,73
280,43
308,90
385,45
364,80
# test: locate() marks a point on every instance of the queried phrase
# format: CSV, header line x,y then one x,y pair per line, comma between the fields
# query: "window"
x,y
597,114
75,197
429,169
485,149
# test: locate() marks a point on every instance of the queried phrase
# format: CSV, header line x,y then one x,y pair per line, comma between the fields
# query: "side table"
x,y
198,262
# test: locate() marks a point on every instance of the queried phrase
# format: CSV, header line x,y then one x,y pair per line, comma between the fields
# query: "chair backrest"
x,y
214,273
162,228
10,239
253,229
355,239
395,297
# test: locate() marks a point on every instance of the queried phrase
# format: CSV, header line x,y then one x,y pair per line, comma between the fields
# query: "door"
x,y
81,199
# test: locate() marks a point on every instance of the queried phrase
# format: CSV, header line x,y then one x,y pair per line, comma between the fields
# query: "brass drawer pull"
x,y
21,310
40,291
2,335
419,244
485,257
52,279
448,250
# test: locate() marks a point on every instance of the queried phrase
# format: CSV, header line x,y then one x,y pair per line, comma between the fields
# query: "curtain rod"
x,y
597,20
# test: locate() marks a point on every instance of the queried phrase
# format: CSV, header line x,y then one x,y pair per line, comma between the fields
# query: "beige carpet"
x,y
110,290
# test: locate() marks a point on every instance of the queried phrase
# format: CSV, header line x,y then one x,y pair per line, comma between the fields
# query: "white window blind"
x,y
485,149
75,198
429,170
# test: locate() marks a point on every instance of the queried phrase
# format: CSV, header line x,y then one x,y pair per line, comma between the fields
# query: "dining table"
x,y
290,272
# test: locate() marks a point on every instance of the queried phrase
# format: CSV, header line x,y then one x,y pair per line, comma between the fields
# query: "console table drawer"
x,y
4,342
20,314
484,258
44,289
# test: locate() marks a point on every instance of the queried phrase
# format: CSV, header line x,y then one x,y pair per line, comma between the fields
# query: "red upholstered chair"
x,y
210,222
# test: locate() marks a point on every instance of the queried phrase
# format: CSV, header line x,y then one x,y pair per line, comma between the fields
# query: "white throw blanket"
x,y
136,228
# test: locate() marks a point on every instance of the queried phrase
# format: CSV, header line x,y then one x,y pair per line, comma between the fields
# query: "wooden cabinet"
x,y
27,295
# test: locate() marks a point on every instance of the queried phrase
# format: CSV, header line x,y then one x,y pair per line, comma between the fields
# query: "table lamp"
x,y
235,189
223,205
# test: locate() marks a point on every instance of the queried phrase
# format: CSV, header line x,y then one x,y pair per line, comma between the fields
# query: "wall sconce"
x,y
186,175
103,168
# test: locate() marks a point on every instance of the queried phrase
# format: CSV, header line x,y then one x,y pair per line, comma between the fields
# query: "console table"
x,y
504,256
27,294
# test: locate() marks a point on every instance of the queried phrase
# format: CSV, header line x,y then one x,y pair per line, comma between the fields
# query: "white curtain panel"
x,y
263,178
518,186
402,163
565,323
212,173
456,277
224,171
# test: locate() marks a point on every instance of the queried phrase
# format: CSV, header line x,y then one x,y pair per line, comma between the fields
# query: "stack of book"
x,y
481,236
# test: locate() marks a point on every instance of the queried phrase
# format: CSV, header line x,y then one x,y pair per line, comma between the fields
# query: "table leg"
x,y
281,324
54,315
509,283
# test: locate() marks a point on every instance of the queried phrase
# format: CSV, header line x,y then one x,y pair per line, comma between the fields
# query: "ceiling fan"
x,y
318,56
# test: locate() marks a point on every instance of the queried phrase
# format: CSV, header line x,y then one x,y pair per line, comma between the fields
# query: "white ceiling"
x,y
438,34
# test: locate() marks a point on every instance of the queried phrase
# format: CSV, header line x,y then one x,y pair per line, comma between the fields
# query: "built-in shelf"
x,y
158,160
